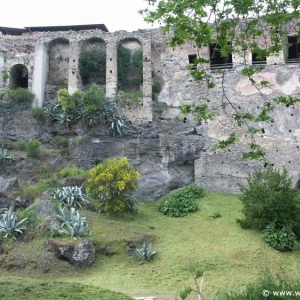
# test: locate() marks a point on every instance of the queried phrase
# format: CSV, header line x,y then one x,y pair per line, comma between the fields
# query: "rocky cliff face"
x,y
162,151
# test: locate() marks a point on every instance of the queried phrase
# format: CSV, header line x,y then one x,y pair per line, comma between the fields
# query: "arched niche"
x,y
58,57
130,64
19,77
92,62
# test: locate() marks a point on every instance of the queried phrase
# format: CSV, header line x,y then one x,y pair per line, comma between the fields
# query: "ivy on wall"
x,y
123,62
92,65
130,68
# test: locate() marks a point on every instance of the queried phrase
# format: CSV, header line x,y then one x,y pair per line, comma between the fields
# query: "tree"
x,y
259,27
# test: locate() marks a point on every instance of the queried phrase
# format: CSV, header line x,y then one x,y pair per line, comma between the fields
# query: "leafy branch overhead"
x,y
231,28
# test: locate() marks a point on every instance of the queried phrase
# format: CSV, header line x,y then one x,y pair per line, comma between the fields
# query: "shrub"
x,y
92,65
9,224
60,141
20,95
181,202
21,145
38,114
282,239
113,182
267,282
270,198
71,171
32,148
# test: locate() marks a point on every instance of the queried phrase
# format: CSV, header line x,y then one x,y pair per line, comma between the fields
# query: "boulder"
x,y
81,254
7,185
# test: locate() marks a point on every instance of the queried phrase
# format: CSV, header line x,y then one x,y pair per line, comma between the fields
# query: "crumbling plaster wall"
x,y
223,169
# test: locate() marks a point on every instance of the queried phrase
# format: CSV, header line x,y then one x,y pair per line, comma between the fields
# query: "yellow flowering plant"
x,y
113,182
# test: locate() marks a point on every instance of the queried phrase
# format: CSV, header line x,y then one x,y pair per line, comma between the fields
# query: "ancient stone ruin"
x,y
169,153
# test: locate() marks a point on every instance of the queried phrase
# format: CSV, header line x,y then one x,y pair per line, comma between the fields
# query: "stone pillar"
x,y
111,69
73,67
147,80
40,70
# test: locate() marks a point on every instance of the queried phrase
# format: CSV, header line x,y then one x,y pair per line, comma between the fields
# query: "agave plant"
x,y
68,215
9,224
145,252
71,196
116,124
5,156
72,223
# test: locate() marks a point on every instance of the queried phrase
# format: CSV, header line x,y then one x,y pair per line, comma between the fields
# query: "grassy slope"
x,y
231,256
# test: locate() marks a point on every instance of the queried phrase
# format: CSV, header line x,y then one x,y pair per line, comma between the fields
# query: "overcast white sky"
x,y
115,14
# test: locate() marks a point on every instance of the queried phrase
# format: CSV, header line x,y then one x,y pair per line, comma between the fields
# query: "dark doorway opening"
x,y
293,50
19,77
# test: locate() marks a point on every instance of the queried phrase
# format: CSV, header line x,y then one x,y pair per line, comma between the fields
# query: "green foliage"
x,y
30,217
112,183
270,198
282,239
60,142
24,289
20,96
34,190
72,223
38,114
32,148
181,202
137,62
5,76
130,98
156,87
123,61
91,107
215,215
235,27
92,65
71,171
20,145
15,100
130,68
71,196
9,225
267,282
145,252
4,155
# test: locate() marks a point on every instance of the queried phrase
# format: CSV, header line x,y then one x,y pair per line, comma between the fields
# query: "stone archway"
x,y
130,64
19,77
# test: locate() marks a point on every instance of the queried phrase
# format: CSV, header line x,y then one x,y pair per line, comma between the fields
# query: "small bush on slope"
x,y
181,202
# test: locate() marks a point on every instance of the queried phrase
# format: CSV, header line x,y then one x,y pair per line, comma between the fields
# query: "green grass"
x,y
21,288
231,256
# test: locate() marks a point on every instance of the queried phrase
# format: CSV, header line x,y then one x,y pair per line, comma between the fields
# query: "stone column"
x,y
40,70
111,69
147,80
73,83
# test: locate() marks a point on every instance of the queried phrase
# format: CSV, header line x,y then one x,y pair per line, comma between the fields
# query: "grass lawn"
x,y
231,256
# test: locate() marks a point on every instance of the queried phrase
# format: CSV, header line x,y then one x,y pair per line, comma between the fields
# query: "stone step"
x,y
146,298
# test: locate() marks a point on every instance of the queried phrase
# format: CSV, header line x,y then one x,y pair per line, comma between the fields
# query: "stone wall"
x,y
170,153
